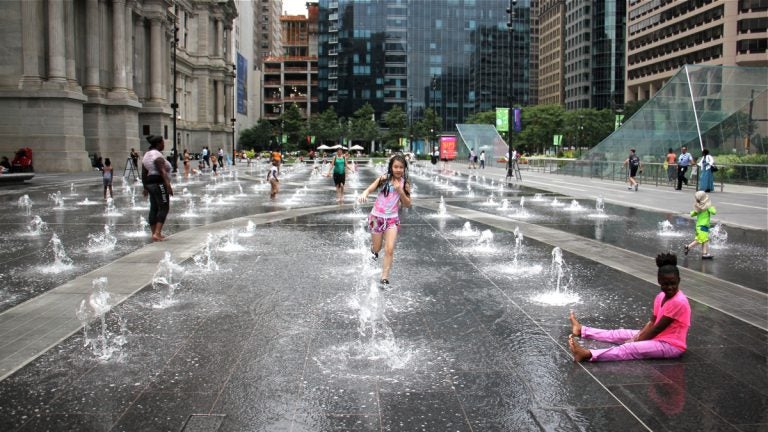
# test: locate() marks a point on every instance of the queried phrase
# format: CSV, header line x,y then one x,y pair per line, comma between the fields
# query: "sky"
x,y
295,7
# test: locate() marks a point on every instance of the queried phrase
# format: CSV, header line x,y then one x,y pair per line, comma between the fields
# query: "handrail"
x,y
653,172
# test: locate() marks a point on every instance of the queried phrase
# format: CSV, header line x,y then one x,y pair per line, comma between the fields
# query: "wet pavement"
x,y
289,334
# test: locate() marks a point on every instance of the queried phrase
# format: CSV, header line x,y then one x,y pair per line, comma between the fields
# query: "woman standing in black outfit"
x,y
155,176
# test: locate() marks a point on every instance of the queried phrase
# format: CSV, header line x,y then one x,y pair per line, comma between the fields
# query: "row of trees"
x,y
580,128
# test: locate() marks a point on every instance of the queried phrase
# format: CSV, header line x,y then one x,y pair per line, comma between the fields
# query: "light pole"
x,y
434,111
410,123
174,104
234,110
511,114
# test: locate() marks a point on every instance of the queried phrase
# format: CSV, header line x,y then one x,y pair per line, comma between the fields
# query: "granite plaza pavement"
x,y
289,332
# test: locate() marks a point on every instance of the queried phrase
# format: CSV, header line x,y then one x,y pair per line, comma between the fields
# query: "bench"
x,y
15,177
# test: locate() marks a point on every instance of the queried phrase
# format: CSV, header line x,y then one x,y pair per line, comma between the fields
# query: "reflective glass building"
x,y
452,55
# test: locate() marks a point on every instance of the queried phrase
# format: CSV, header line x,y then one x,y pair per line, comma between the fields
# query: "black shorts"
x,y
633,171
338,179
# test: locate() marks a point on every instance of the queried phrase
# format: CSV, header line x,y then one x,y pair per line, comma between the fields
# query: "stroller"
x,y
23,161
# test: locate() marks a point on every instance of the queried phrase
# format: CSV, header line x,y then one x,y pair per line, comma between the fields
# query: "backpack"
x,y
634,161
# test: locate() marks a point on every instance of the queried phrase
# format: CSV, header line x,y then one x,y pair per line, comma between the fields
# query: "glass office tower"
x,y
451,55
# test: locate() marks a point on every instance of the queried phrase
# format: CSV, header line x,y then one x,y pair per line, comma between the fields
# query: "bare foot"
x,y
580,353
158,238
575,325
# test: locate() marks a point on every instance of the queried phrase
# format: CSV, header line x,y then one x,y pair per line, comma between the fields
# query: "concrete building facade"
x,y
85,77
551,52
663,36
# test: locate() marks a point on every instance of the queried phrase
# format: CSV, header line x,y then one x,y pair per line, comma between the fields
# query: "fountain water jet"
x,y
168,276
561,278
103,343
61,262
26,203
102,242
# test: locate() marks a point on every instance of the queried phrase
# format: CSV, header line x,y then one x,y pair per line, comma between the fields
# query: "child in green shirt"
x,y
702,210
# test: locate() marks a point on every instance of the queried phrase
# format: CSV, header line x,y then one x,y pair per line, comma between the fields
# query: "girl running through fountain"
x,y
702,211
272,178
663,336
384,220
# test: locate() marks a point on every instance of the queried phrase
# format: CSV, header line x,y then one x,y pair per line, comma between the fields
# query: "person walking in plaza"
x,y
106,176
272,175
634,166
482,159
670,161
702,211
384,219
339,169
683,162
706,175
155,175
663,336
276,156
472,159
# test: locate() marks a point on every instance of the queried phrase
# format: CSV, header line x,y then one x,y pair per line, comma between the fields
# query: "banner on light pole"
x,y
502,119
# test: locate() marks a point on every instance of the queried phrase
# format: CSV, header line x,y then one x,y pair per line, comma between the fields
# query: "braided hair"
x,y
667,264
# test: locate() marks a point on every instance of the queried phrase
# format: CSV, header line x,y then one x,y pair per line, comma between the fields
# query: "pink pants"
x,y
646,349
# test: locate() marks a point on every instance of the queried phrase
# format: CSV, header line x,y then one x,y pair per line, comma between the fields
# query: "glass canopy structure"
x,y
721,108
480,137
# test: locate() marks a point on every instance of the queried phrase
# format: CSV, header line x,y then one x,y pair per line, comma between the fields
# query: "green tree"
x,y
539,124
256,137
363,127
325,126
294,126
585,128
428,127
484,117
630,108
397,123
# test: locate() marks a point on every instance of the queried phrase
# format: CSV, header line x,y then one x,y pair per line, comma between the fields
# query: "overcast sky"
x,y
295,7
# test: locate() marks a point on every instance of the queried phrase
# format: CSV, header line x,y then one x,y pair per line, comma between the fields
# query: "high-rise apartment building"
x,y
453,56
267,35
291,78
594,53
663,36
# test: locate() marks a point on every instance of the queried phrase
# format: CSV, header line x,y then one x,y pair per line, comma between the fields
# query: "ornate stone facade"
x,y
83,77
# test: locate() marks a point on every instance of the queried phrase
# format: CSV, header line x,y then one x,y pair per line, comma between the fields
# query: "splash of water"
x,y
36,226
61,262
441,209
92,314
58,201
111,209
102,242
230,243
466,231
25,203
561,278
718,236
167,277
204,260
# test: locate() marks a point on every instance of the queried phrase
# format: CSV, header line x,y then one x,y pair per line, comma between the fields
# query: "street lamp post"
x,y
175,104
234,110
511,114
410,123
434,111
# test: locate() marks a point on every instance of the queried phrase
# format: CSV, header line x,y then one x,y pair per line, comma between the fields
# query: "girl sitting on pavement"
x,y
384,220
664,336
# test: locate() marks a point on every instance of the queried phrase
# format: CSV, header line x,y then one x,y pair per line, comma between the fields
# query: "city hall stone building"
x,y
85,77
